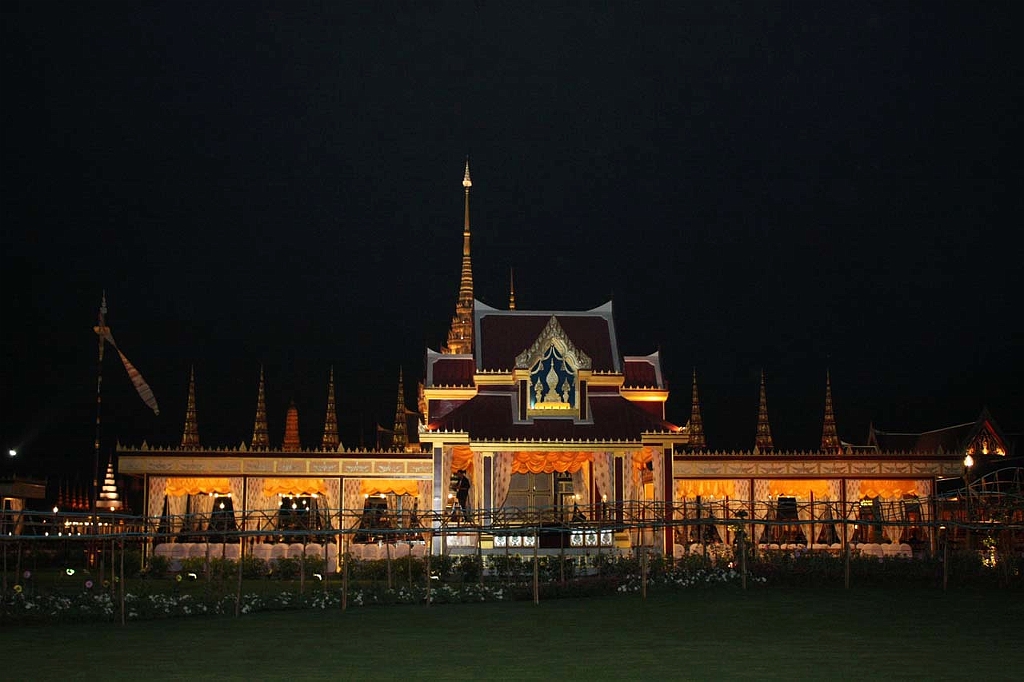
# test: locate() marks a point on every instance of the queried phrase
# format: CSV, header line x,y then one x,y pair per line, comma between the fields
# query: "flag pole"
x,y
102,331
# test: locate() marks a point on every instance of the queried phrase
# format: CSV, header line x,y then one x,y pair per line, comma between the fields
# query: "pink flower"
x,y
88,584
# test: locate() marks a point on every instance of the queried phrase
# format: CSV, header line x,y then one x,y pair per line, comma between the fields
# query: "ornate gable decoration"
x,y
554,363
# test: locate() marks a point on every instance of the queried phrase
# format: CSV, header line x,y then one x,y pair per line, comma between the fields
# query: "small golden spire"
x,y
763,440
260,440
330,441
697,439
190,435
511,289
401,437
829,436
460,335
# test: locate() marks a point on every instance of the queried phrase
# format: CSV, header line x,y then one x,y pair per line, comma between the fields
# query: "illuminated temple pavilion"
x,y
553,425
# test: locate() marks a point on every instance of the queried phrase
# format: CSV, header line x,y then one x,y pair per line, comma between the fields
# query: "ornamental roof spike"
x,y
763,438
190,433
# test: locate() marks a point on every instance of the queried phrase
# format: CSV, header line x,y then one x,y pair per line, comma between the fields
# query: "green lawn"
x,y
721,633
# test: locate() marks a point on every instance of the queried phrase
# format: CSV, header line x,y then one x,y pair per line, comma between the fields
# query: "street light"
x,y
968,463
12,453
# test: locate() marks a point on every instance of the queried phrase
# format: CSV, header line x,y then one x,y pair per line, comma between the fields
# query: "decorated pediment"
x,y
553,362
985,441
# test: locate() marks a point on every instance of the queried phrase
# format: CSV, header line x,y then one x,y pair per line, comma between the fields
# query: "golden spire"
x,y
697,439
108,497
401,436
763,441
511,289
190,435
460,336
291,430
330,440
829,437
260,440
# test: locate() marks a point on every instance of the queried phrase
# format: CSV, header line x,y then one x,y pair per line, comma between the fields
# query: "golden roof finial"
x,y
829,436
460,335
511,289
190,435
697,439
763,440
330,441
260,439
401,436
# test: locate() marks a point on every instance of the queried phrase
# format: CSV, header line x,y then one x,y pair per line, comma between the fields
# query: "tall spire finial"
x,y
330,440
260,439
511,289
763,441
460,335
401,436
190,435
697,439
829,437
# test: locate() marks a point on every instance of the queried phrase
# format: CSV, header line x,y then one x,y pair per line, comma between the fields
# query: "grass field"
x,y
763,634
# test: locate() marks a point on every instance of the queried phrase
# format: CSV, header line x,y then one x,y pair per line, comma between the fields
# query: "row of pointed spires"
x,y
260,437
763,438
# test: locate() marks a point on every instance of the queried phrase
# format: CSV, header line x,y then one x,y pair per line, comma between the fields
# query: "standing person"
x,y
462,492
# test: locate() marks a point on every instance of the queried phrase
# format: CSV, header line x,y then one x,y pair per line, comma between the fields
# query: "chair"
x,y
231,551
278,551
163,549
314,551
197,550
295,550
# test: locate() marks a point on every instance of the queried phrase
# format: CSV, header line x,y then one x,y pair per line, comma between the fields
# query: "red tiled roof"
x,y
488,416
640,372
504,334
452,371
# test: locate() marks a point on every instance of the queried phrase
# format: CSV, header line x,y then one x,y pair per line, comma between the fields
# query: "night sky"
x,y
794,187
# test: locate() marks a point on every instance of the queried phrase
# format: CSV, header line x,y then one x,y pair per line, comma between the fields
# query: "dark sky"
x,y
792,187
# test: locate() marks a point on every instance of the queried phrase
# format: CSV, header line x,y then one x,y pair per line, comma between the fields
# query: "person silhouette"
x,y
462,492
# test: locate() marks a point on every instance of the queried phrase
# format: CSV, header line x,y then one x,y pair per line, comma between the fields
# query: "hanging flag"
x,y
145,392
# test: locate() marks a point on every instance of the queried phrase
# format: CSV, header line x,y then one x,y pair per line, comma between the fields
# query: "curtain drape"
x,y
852,511
353,502
261,508
197,486
476,490
200,507
157,492
332,499
762,507
425,491
237,498
176,506
603,476
502,476
581,486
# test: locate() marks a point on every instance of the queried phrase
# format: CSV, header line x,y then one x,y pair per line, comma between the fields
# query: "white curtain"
x,y
924,494
201,506
502,476
425,490
581,486
352,502
477,488
603,476
176,506
762,507
261,509
237,501
852,510
658,469
893,513
332,493
157,491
